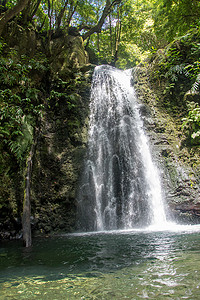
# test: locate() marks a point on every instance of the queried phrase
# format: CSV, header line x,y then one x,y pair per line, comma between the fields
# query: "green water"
x,y
126,265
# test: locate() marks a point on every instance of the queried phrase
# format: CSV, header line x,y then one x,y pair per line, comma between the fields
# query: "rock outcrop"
x,y
178,164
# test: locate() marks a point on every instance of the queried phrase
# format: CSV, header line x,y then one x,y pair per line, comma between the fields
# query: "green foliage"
x,y
128,30
66,91
18,100
65,101
196,86
180,67
129,55
149,25
174,18
179,64
177,68
191,123
145,23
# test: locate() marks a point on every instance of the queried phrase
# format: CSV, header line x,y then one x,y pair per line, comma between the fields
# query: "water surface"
x,y
115,265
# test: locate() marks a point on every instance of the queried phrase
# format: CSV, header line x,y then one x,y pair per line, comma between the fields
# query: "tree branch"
x,y
98,26
11,13
60,15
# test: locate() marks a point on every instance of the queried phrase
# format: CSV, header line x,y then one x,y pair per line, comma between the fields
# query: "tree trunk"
x,y
98,42
60,15
30,11
117,36
26,218
11,13
35,9
111,44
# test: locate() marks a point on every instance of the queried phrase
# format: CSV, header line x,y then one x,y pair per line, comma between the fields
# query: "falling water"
x,y
120,186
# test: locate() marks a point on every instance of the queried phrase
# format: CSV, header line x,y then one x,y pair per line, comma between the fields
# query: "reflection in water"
x,y
163,272
103,266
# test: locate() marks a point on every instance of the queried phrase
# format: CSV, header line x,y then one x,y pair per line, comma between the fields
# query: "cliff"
x,y
52,88
177,160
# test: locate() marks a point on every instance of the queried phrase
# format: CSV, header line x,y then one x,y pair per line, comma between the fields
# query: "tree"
x,y
11,13
173,18
98,26
127,34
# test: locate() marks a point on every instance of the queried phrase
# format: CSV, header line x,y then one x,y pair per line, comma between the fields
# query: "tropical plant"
x,y
191,123
174,18
20,105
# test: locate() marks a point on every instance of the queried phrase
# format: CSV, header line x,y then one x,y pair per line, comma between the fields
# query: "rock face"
x,y
65,92
177,163
57,164
61,150
61,145
63,138
67,53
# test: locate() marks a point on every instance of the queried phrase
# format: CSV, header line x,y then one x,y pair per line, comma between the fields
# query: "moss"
x,y
62,139
171,153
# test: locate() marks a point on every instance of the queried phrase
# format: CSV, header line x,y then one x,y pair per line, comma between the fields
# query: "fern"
x,y
195,49
20,146
196,86
15,149
195,134
176,70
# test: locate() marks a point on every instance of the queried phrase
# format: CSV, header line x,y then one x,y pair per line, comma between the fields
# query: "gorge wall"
x,y
61,150
178,162
61,79
62,141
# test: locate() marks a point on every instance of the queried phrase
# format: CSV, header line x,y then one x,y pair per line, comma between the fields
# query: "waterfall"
x,y
120,186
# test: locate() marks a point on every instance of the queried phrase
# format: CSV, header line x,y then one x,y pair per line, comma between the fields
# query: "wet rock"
x,y
58,161
63,135
87,67
179,179
165,152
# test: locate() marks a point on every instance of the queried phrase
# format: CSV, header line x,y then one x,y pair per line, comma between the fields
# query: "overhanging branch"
x,y
11,13
106,11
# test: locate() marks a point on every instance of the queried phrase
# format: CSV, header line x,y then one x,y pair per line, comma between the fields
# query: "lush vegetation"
x,y
118,32
178,66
